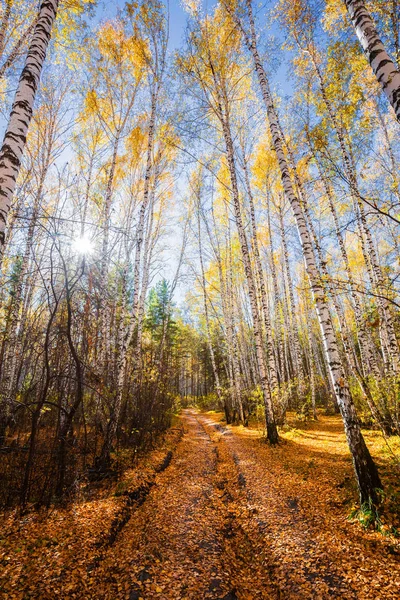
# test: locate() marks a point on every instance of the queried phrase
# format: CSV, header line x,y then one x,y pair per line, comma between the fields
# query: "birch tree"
x,y
385,69
214,76
21,113
365,469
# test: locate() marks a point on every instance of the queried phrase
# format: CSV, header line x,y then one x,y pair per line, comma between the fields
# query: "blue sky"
x,y
177,23
177,17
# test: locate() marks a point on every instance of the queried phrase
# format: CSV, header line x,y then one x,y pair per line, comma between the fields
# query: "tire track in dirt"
x,y
220,518
278,529
251,574
175,544
134,498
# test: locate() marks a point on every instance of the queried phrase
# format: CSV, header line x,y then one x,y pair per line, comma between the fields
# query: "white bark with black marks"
x,y
272,433
365,469
21,113
382,65
273,379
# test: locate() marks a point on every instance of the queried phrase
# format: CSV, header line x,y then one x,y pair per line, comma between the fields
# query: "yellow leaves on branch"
x,y
76,7
91,102
118,48
335,13
69,30
150,14
206,59
297,17
169,141
136,141
265,164
319,138
303,168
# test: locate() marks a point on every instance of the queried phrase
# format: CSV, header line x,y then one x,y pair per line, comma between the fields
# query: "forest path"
x,y
184,541
226,516
229,519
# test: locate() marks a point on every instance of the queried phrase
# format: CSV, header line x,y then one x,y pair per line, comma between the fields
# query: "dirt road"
x,y
227,517
223,523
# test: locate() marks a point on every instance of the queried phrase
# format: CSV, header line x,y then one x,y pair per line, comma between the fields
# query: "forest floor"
x,y
214,512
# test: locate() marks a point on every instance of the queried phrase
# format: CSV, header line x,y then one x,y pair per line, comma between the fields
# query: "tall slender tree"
x,y
385,69
21,113
365,468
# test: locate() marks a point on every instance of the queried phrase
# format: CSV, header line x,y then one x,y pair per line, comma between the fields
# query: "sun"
x,y
82,245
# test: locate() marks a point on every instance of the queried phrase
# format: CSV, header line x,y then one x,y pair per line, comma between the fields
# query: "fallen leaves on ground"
x,y
222,515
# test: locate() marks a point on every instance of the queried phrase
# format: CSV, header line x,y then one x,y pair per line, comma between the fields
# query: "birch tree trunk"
x,y
365,468
122,359
4,25
273,380
382,65
277,300
104,313
233,370
390,349
218,388
151,238
311,359
21,113
395,20
272,432
292,306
